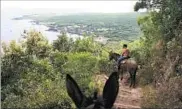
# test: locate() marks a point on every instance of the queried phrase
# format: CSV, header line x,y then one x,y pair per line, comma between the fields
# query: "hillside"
x,y
116,26
34,71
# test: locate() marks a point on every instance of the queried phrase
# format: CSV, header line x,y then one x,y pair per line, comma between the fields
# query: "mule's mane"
x,y
116,54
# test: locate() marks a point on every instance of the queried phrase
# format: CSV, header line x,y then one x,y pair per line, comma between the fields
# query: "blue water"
x,y
12,29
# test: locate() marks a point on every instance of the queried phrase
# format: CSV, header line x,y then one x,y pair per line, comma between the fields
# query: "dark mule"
x,y
129,65
105,101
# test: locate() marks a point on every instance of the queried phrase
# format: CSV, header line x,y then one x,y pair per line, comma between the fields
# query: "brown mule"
x,y
127,65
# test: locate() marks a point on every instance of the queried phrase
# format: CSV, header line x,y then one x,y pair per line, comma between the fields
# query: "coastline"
x,y
53,27
114,27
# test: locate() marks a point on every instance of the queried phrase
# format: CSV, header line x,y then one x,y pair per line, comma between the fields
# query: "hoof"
x,y
130,86
121,78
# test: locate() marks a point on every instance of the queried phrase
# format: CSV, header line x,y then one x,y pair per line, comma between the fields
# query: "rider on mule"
x,y
125,54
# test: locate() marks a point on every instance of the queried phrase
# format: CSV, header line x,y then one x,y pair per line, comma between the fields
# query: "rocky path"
x,y
127,97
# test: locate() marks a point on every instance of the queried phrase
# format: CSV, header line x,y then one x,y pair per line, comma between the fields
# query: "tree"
x,y
167,16
63,43
13,62
36,44
162,37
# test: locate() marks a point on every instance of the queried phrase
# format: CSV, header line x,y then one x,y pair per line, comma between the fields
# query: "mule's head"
x,y
105,101
111,56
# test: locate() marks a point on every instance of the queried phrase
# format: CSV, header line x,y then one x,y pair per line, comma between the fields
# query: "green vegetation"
x,y
161,53
116,26
33,71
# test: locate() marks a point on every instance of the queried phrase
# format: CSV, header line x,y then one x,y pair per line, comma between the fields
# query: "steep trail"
x,y
127,97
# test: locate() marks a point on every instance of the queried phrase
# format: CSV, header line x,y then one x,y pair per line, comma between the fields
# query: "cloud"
x,y
92,6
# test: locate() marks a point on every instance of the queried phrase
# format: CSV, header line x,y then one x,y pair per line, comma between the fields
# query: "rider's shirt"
x,y
125,52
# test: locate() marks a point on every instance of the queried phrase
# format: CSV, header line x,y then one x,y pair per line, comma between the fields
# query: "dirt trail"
x,y
127,97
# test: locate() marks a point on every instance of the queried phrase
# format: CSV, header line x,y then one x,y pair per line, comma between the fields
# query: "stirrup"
x,y
118,67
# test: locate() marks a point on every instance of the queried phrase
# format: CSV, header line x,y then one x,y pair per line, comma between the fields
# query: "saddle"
x,y
124,60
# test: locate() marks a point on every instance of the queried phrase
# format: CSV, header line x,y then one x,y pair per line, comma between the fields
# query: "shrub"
x,y
149,98
169,95
82,66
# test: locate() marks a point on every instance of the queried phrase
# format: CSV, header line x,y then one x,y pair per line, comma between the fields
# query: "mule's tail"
x,y
136,69
134,76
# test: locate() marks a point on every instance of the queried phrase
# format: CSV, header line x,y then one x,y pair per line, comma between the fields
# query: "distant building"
x,y
101,39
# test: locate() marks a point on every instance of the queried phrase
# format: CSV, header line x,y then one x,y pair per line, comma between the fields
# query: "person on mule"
x,y
125,54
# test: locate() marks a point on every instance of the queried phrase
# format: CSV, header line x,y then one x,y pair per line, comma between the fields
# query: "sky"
x,y
79,6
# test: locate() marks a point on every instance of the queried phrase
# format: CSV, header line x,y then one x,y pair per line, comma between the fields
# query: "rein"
x,y
116,56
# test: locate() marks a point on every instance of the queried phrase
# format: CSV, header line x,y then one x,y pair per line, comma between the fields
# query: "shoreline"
x,y
117,31
52,27
113,27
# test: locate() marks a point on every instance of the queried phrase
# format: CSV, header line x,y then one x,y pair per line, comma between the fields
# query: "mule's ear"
x,y
110,91
74,91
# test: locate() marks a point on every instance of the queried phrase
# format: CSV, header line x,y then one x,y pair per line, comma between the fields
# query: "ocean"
x,y
13,29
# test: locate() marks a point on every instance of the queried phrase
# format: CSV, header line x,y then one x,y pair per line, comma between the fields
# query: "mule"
x,y
127,65
105,101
